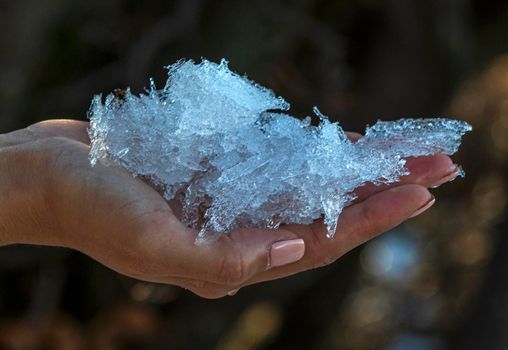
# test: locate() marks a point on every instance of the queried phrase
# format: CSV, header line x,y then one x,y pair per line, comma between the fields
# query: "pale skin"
x,y
50,195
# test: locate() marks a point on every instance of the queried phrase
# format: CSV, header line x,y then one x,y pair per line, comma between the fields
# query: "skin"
x,y
49,195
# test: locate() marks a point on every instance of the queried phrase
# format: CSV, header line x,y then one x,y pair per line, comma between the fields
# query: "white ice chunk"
x,y
213,141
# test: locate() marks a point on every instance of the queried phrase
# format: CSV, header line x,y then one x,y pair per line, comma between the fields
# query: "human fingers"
x,y
357,224
353,136
428,171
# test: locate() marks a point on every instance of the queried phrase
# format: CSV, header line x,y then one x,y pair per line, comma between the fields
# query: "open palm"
x,y
126,225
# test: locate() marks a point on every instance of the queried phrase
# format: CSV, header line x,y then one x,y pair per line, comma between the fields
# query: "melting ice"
x,y
211,139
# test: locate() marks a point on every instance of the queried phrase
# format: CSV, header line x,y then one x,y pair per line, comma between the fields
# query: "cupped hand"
x,y
50,195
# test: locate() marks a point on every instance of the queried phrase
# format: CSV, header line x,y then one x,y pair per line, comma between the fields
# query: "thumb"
x,y
215,268
233,259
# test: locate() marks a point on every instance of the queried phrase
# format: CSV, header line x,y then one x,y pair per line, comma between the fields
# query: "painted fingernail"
x,y
452,173
233,292
424,207
454,168
286,252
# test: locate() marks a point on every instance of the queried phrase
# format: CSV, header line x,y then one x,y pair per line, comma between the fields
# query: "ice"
x,y
214,142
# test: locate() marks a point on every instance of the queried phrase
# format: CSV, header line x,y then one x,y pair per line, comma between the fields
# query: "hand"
x,y
50,195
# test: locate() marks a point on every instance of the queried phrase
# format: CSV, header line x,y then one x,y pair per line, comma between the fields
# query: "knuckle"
x,y
368,213
325,252
322,251
61,150
58,154
372,222
231,270
318,238
48,157
43,151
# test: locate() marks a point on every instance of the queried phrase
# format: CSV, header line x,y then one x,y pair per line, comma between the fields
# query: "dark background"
x,y
440,281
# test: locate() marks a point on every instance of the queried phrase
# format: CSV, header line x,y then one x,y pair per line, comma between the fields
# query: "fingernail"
x,y
286,252
233,292
424,207
452,173
454,168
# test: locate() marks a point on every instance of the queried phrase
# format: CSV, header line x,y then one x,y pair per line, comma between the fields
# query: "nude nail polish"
x,y
424,207
286,252
453,172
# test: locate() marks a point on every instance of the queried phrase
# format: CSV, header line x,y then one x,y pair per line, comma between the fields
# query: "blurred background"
x,y
438,282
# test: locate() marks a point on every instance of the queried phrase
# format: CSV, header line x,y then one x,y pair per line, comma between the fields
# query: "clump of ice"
x,y
211,139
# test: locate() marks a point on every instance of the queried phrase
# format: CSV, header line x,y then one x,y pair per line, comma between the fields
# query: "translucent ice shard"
x,y
211,139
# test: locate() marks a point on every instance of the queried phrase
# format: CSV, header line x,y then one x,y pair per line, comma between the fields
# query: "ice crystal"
x,y
213,141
